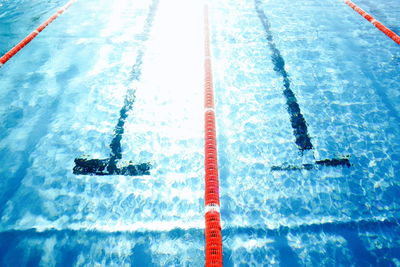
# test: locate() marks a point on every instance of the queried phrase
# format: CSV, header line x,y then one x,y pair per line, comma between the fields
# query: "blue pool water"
x,y
274,61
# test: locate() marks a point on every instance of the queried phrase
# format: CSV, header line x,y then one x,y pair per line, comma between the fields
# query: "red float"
x,y
31,36
376,23
212,231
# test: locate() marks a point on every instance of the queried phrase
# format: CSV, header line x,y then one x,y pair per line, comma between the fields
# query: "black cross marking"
x,y
109,166
299,124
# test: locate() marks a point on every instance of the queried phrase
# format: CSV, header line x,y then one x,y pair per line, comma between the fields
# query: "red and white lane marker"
x,y
212,231
33,34
376,23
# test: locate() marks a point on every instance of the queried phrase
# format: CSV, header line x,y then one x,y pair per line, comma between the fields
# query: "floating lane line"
x,y
212,231
375,22
33,34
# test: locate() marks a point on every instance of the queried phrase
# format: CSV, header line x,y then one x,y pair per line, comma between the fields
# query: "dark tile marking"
x,y
338,162
108,166
299,125
334,162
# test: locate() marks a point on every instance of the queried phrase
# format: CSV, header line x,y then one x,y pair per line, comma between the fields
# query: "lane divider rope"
x,y
212,231
33,34
375,22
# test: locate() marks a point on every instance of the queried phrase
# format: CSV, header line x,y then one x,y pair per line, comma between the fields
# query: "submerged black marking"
x,y
339,162
116,150
101,167
85,165
299,125
334,162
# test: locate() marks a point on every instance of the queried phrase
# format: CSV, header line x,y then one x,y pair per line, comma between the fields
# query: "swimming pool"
x,y
295,84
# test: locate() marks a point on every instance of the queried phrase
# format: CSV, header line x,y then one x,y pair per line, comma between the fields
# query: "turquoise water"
x,y
61,98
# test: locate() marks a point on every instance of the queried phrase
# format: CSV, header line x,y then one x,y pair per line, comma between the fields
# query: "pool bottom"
x,y
346,244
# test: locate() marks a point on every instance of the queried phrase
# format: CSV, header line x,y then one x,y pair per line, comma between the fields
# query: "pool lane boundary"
x,y
212,232
375,22
85,165
297,120
7,56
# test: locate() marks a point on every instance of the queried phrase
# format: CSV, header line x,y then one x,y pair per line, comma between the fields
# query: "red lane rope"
x,y
212,215
33,34
376,23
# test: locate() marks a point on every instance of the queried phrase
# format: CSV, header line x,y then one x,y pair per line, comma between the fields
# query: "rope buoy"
x,y
213,234
33,34
376,23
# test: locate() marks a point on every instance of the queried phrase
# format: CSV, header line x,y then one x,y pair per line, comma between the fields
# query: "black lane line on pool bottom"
x,y
299,125
344,162
108,166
